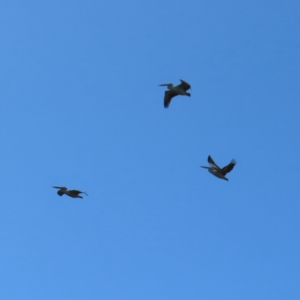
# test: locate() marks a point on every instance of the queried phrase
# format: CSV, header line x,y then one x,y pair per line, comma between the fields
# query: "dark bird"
x,y
217,171
173,91
72,193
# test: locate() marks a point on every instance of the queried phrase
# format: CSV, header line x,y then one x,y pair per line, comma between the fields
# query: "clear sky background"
x,y
81,107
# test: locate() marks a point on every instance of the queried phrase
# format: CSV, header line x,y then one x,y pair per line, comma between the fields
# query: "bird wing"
x,y
184,85
168,97
166,84
212,163
228,168
60,187
77,192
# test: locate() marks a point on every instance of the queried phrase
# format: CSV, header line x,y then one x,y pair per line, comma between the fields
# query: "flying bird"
x,y
72,193
217,171
173,91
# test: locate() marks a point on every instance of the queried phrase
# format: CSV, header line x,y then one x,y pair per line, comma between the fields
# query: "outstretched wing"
x,y
184,85
212,163
228,168
60,187
77,192
168,97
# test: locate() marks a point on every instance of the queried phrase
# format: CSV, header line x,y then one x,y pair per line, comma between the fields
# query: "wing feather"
x,y
212,163
184,85
168,97
228,168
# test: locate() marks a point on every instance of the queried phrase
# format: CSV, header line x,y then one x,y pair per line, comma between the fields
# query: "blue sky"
x,y
81,107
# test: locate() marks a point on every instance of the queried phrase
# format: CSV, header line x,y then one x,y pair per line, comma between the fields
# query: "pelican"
x,y
72,193
217,171
173,91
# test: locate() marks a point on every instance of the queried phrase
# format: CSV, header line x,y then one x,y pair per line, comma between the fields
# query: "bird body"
x,y
217,171
71,193
173,91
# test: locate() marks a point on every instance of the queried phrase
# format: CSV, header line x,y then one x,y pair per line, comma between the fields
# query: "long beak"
x,y
165,84
205,167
